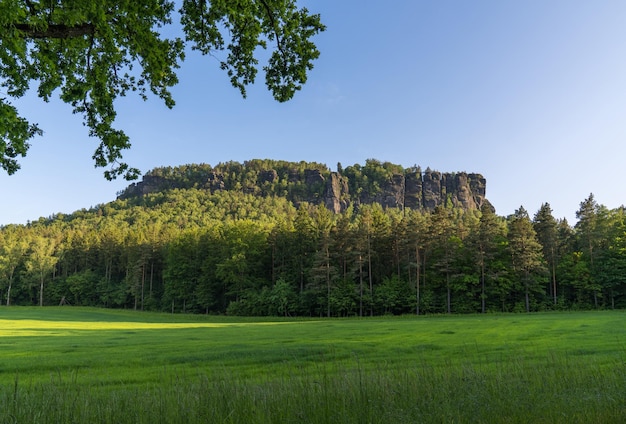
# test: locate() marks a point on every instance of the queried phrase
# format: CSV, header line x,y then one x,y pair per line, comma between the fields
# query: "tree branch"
x,y
31,7
56,31
270,15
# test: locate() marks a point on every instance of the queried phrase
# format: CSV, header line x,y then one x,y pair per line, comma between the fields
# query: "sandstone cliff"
x,y
316,184
416,191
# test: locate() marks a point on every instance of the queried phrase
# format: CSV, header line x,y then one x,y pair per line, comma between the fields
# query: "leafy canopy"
x,y
92,52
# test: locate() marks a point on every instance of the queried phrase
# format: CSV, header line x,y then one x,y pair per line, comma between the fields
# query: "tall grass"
x,y
544,368
512,393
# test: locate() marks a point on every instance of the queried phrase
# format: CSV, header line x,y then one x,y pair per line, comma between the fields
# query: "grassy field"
x,y
92,365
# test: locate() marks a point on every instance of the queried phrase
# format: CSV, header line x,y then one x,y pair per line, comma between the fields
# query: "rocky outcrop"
x,y
462,190
415,191
149,184
411,189
268,176
335,198
313,177
215,182
466,191
431,189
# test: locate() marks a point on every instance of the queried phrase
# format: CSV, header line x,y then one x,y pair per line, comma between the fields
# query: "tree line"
x,y
235,253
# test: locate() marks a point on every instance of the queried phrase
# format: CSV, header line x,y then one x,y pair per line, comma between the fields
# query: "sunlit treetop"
x,y
91,52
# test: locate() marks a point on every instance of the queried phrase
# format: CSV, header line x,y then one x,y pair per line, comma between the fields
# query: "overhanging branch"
x,y
56,31
270,15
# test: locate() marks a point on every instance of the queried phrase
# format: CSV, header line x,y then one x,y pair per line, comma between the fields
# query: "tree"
x,y
546,228
393,295
182,268
305,241
444,244
323,271
12,249
93,52
365,246
111,235
591,218
525,250
565,247
282,297
41,259
612,260
241,259
415,240
484,242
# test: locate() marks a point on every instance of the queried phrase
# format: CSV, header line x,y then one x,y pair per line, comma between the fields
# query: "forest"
x,y
190,249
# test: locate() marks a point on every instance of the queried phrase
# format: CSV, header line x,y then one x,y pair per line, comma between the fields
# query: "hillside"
x,y
376,182
259,239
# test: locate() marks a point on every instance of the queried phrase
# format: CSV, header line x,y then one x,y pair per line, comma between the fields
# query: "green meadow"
x,y
108,366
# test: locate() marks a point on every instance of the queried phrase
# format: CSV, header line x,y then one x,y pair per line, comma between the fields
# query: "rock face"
x,y
432,195
149,184
415,191
411,189
335,198
268,176
313,176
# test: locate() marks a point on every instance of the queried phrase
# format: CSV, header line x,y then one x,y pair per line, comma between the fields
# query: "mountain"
x,y
388,184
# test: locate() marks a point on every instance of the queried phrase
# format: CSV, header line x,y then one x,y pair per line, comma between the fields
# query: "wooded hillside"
x,y
193,249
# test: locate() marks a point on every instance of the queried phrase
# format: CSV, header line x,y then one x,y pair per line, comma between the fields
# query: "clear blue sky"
x,y
531,94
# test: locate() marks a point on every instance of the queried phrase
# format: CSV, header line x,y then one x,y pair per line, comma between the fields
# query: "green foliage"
x,y
13,246
264,178
369,179
393,295
91,53
230,252
528,265
80,285
42,259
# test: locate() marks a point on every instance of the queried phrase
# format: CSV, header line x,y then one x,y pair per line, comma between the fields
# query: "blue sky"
x,y
530,94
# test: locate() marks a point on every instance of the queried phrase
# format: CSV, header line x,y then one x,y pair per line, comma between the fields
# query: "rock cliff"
x,y
410,188
415,191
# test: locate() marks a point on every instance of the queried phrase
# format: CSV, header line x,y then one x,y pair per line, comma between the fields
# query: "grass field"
x,y
92,365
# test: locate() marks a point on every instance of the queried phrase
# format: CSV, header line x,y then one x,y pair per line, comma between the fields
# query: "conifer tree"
x,y
545,226
485,245
416,228
526,255
445,245
591,220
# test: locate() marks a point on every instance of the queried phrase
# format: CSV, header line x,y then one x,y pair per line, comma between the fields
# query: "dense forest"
x,y
189,248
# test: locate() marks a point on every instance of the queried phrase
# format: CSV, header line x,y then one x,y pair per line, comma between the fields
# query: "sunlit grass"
x,y
30,327
565,367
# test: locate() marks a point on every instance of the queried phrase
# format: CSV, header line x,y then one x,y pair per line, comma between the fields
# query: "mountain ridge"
x,y
385,183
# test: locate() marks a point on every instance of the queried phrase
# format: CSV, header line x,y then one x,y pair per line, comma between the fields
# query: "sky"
x,y
532,95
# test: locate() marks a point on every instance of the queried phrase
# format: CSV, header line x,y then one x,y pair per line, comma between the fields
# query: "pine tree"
x,y
545,226
588,236
416,227
444,247
485,245
526,254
